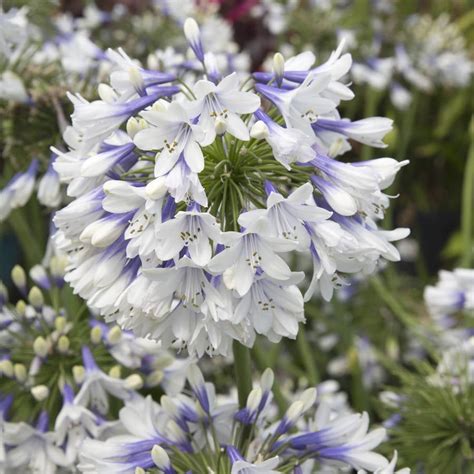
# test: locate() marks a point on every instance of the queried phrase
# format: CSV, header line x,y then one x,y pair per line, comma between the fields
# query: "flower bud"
x,y
160,457
114,335
136,79
193,35
154,378
96,334
195,377
60,323
21,308
308,398
40,277
152,62
79,374
6,368
266,381
294,411
115,371
156,189
167,403
160,106
106,93
19,278
140,470
259,130
278,66
40,392
134,382
57,266
41,347
35,297
63,344
134,125
20,372
254,398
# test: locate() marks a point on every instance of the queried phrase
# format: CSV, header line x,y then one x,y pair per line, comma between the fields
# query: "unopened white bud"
x,y
220,126
79,374
160,106
114,335
134,382
39,276
40,392
266,381
278,65
40,346
254,398
294,411
308,398
154,378
102,233
156,189
63,344
20,308
115,371
152,62
96,334
160,457
60,323
6,368
259,130
20,372
167,403
35,297
19,276
134,125
140,470
191,30
106,93
136,78
57,266
195,376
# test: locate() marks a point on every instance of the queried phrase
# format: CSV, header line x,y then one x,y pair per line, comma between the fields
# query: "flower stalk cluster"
x,y
64,375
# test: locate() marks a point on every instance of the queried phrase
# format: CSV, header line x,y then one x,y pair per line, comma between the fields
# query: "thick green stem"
x,y
467,218
307,357
30,242
243,371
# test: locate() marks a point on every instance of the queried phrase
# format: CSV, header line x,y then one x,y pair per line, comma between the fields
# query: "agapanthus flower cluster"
x,y
199,431
64,374
191,185
451,303
434,53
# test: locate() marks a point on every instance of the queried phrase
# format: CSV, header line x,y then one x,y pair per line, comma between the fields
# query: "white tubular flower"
x,y
250,253
224,102
172,132
192,229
